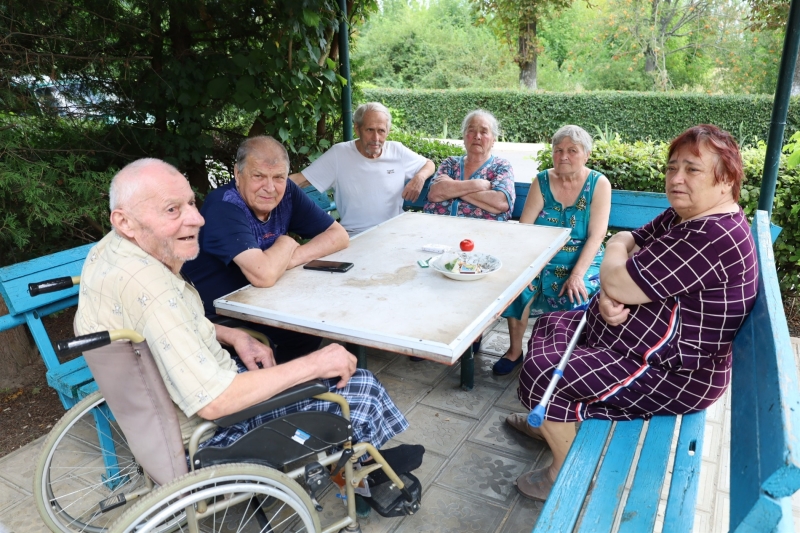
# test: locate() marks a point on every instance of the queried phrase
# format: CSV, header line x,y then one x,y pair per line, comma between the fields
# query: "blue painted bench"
x,y
765,442
72,380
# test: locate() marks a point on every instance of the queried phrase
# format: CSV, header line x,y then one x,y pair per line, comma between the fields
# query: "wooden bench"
x,y
765,442
72,380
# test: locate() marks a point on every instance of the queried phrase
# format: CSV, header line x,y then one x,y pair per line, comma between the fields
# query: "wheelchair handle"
x,y
95,340
53,285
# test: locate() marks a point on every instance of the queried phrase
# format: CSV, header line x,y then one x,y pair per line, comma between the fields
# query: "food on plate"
x,y
459,266
467,245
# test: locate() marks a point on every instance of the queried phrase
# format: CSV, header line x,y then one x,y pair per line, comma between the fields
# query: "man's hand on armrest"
x,y
414,187
299,180
264,268
250,388
331,240
249,350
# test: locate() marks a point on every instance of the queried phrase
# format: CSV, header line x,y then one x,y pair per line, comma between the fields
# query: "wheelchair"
x,y
116,461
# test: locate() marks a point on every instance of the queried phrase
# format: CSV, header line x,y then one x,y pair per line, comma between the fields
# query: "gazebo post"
x,y
344,71
780,109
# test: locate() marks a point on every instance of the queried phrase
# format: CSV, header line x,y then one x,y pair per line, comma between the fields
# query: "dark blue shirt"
x,y
231,228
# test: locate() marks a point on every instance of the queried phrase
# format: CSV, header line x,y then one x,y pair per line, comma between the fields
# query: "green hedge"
x,y
639,167
534,117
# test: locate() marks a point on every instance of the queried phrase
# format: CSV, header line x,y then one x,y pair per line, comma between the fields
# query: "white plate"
x,y
488,263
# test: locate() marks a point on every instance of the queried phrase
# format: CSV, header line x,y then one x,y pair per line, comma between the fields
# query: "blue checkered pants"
x,y
373,415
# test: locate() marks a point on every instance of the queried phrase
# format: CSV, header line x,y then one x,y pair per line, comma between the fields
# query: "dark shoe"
x,y
535,485
416,359
403,459
505,366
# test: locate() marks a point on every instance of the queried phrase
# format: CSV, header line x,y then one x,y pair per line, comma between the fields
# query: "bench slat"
x,y
560,511
14,279
610,482
683,488
642,505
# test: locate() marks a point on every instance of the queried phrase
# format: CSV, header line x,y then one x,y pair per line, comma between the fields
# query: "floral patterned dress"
x,y
544,288
496,170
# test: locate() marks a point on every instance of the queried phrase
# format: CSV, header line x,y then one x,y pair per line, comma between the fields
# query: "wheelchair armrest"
x,y
291,395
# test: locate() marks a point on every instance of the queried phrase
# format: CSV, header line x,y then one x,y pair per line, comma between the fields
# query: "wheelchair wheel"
x,y
84,461
235,497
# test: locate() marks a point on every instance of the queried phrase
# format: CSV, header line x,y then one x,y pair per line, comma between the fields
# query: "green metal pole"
x,y
344,71
780,109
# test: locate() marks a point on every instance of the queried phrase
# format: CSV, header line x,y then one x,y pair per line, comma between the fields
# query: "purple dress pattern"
x,y
673,354
496,170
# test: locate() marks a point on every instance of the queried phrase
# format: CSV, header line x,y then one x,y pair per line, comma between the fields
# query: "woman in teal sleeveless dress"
x,y
570,195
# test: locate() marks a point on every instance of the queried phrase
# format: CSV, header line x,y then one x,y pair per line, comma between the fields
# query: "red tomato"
x,y
467,245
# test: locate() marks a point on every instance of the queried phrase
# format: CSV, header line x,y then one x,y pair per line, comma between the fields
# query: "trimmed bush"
x,y
534,117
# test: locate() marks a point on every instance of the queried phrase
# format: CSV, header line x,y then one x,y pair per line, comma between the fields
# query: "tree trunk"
x,y
649,61
526,57
17,349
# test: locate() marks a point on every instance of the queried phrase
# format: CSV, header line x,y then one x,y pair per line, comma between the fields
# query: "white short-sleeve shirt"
x,y
366,191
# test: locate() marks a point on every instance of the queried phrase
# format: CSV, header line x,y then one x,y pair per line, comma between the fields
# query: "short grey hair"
x,y
575,134
363,109
125,184
472,115
259,141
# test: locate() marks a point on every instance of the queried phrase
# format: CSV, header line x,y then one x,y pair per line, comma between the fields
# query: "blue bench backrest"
x,y
765,418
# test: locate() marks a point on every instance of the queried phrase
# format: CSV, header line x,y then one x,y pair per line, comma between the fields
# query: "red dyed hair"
x,y
722,143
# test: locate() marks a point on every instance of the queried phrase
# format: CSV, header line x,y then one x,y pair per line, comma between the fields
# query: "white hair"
x,y
472,115
363,109
125,185
575,134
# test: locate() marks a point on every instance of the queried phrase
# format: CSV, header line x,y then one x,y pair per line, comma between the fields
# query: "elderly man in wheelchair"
x,y
262,441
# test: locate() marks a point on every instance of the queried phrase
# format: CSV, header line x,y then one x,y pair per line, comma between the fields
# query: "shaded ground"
x,y
29,411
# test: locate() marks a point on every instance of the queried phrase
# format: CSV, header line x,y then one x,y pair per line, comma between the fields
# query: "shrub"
x,y
535,116
434,150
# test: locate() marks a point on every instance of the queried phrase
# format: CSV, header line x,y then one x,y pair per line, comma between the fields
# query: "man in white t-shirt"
x,y
369,174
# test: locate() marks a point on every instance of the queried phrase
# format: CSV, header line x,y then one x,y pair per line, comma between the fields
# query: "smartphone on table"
x,y
328,266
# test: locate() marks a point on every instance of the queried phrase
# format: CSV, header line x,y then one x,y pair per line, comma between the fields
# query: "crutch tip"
x,y
536,417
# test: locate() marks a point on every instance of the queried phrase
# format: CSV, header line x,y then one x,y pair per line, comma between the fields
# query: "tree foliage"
x,y
515,22
169,75
429,46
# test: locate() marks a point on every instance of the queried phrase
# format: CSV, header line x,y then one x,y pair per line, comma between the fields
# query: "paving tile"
x,y
707,487
404,392
426,372
724,472
703,522
493,431
377,360
445,511
10,496
449,396
22,518
722,510
19,466
712,440
484,374
508,400
523,517
439,431
484,473
495,343
716,412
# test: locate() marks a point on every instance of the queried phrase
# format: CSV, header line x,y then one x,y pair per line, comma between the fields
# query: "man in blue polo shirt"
x,y
245,241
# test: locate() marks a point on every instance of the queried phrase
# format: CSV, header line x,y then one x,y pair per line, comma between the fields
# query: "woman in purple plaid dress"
x,y
673,294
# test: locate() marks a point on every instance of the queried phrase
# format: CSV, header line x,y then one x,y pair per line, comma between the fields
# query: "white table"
x,y
387,301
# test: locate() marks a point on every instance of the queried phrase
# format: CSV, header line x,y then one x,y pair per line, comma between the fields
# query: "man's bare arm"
x,y
331,240
299,180
264,268
414,187
252,387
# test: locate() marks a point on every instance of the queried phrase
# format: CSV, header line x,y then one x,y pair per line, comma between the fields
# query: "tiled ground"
x,y
471,461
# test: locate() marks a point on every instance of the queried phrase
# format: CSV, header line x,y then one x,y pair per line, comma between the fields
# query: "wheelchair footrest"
x,y
389,501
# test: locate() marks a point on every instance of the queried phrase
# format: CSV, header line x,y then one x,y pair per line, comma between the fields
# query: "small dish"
x,y
487,263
